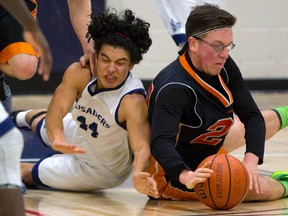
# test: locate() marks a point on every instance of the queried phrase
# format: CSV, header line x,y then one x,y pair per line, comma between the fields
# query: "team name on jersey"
x,y
94,113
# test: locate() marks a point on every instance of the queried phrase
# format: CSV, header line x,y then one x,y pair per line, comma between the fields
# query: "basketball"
x,y
227,186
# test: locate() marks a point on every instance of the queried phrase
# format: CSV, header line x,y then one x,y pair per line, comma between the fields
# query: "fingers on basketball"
x,y
228,184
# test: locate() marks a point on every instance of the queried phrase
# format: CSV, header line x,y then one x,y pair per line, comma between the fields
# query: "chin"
x,y
216,71
213,73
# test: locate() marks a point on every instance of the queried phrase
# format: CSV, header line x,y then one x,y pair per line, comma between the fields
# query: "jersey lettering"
x,y
93,126
93,112
215,133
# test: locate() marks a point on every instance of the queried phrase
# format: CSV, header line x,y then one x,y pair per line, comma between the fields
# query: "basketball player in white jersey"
x,y
107,134
174,15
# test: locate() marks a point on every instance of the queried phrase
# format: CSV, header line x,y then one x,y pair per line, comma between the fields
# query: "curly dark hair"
x,y
124,31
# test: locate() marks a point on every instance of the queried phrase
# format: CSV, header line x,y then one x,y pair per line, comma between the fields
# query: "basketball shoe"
x,y
282,177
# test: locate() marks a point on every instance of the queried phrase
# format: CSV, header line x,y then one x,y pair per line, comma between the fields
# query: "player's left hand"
x,y
250,161
144,184
88,57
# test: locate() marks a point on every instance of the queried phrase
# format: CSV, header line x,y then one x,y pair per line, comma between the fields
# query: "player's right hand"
x,y
190,178
66,148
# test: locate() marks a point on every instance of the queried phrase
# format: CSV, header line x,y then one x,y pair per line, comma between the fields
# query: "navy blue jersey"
x,y
11,30
191,113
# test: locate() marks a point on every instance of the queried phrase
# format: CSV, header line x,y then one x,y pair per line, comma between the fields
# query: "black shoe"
x,y
13,116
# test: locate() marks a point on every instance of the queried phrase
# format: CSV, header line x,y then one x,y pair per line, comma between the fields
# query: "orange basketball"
x,y
227,186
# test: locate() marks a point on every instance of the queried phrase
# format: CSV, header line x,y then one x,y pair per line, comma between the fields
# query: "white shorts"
x,y
69,130
174,15
11,146
67,172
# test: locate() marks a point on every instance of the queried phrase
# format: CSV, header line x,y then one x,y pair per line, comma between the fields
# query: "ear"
x,y
192,43
131,66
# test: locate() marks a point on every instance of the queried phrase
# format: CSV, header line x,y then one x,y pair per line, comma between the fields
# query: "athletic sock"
x,y
285,185
282,177
282,113
20,119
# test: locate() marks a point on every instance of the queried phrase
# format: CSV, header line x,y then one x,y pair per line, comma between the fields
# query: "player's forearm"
x,y
142,160
54,127
56,111
80,11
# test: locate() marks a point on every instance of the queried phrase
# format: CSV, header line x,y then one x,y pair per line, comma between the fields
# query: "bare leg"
x,y
31,114
272,123
22,66
272,190
235,137
26,174
26,168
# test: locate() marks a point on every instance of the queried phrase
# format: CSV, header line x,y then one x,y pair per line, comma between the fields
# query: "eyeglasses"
x,y
217,48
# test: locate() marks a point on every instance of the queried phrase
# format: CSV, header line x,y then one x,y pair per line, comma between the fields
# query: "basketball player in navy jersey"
x,y
108,133
192,103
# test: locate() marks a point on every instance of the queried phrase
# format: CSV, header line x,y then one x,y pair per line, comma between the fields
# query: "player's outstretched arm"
x,y
134,108
73,82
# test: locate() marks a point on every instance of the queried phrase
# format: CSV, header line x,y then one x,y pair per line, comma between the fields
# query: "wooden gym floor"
x,y
124,200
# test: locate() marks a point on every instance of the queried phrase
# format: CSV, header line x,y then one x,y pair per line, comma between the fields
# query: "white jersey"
x,y
174,14
94,127
96,114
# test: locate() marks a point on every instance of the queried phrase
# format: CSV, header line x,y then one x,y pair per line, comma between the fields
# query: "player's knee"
x,y
25,71
24,66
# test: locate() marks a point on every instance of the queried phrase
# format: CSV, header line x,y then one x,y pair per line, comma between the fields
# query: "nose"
x,y
111,68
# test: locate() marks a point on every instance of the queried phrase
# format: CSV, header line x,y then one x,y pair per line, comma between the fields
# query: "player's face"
x,y
113,65
206,56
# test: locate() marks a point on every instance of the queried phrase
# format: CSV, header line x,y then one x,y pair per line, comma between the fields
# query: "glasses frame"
x,y
216,48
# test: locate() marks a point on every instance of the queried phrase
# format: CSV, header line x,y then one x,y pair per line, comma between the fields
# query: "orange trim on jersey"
x,y
165,189
207,87
222,150
14,49
34,12
150,90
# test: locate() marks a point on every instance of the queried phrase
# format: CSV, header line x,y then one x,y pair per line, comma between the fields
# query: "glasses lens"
x,y
220,48
231,46
217,48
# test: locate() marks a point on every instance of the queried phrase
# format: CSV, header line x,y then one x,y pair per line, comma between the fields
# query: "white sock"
x,y
20,119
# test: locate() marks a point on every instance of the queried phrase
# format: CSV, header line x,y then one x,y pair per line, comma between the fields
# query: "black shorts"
x,y
11,32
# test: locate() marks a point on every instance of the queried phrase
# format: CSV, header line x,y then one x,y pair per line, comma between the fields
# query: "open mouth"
x,y
110,79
